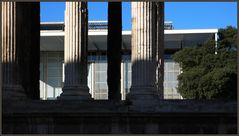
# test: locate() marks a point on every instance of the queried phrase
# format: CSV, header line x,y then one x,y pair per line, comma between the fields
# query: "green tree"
x,y
207,75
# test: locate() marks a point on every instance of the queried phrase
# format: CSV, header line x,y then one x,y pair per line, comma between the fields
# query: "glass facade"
x,y
52,76
171,71
100,80
126,77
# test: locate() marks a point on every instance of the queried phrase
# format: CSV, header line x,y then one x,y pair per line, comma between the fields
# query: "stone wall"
x,y
72,117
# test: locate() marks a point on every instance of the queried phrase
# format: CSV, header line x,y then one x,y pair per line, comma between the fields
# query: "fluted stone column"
x,y
75,57
143,52
12,88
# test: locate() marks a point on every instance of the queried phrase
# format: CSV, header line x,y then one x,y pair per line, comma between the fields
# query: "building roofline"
x,y
124,32
98,21
51,23
190,31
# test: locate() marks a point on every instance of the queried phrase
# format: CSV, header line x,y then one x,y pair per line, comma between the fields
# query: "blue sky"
x,y
185,15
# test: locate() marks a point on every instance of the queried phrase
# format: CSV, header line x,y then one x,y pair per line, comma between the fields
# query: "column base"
x,y
13,92
143,95
75,93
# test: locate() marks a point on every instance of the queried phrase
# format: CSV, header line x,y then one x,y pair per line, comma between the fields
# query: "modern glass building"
x,y
52,58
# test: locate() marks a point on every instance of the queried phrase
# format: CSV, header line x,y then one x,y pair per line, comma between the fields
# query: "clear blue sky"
x,y
185,15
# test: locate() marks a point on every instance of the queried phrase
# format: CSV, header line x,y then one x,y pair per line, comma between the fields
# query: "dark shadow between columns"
x,y
28,41
114,43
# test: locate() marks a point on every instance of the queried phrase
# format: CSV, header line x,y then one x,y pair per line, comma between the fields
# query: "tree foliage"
x,y
206,74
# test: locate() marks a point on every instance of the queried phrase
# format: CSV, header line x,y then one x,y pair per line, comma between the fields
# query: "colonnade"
x,y
147,50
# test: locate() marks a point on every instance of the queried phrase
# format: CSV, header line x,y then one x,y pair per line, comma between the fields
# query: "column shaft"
x,y
76,35
12,88
114,44
143,51
20,48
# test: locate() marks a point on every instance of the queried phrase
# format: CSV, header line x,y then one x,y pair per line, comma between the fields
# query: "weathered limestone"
x,y
144,52
114,44
76,35
12,88
20,49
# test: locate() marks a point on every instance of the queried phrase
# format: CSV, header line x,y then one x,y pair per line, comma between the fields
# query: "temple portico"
x,y
145,46
75,111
